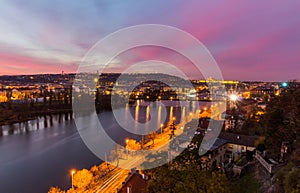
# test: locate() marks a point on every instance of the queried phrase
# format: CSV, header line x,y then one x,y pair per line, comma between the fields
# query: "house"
x,y
215,155
238,144
228,147
233,118
135,183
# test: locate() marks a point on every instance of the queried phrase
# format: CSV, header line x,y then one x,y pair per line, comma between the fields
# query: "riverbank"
x,y
17,113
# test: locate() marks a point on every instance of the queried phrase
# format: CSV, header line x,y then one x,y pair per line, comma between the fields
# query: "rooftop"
x,y
135,182
239,139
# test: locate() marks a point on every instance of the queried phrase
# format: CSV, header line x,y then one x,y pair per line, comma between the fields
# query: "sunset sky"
x,y
250,40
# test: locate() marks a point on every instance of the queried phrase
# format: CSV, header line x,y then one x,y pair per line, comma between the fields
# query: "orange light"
x,y
72,172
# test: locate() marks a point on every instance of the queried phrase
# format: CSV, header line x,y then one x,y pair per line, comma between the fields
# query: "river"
x,y
40,153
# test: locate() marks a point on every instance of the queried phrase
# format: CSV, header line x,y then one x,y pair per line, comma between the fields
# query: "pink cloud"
x,y
12,63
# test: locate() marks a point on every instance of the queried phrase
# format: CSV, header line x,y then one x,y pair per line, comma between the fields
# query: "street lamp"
x,y
72,174
127,140
161,127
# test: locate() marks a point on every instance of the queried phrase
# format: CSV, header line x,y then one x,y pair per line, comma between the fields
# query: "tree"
x,y
218,183
291,180
165,182
282,120
82,179
190,179
55,190
283,126
95,170
297,189
115,155
173,129
151,136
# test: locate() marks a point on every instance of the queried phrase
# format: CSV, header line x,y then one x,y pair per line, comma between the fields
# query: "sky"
x,y
250,40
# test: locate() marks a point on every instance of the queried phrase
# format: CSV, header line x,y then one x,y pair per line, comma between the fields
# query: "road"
x,y
115,181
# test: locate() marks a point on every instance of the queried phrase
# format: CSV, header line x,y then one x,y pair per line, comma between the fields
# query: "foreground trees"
x,y
192,179
85,180
55,190
282,121
82,179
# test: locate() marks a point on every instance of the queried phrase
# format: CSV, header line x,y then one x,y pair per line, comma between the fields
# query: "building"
x,y
233,119
228,147
262,90
238,144
135,183
216,155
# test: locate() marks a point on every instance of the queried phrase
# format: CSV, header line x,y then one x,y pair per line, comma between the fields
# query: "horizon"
x,y
144,73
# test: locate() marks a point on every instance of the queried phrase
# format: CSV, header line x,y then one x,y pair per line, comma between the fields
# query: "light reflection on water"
x,y
39,153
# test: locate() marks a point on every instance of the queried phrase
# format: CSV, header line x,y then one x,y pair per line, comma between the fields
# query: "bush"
x,y
82,179
55,190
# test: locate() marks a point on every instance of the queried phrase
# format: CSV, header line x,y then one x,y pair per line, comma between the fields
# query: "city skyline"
x,y
250,40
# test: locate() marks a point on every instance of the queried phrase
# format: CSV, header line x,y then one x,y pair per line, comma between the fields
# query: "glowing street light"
x,y
233,97
127,140
72,174
161,127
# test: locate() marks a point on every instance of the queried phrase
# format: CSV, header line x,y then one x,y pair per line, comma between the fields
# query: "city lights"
x,y
233,97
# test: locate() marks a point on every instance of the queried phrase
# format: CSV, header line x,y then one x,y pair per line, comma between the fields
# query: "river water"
x,y
40,153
